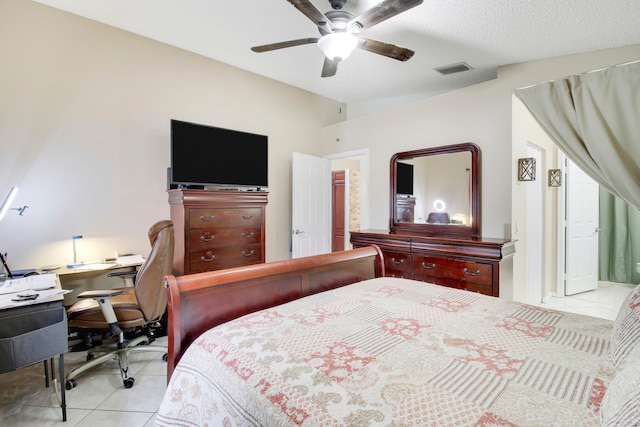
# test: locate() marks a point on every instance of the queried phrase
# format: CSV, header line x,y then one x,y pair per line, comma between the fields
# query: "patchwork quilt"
x,y
394,352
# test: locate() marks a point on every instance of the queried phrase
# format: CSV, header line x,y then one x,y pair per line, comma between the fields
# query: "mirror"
x,y
435,191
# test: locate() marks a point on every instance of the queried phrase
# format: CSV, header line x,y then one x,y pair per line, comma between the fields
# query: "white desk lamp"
x,y
75,263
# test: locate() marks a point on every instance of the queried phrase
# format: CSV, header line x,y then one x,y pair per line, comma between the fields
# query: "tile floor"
x,y
100,400
604,302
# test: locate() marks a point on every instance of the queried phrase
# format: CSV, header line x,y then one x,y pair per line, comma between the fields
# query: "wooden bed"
x,y
201,301
329,340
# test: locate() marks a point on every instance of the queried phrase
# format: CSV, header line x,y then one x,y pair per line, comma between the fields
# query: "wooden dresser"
x,y
217,229
405,208
474,264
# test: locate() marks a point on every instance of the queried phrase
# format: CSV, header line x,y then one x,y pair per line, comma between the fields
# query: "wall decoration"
x,y
555,177
527,169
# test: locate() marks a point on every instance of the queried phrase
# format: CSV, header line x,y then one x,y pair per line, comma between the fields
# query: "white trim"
x,y
535,228
561,227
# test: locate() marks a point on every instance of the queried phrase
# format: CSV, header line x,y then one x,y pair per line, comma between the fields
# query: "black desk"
x,y
35,333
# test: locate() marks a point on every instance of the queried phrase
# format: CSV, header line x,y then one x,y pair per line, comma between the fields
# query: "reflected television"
x,y
404,179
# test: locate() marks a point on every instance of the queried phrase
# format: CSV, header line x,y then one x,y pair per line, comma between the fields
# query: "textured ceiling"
x,y
483,33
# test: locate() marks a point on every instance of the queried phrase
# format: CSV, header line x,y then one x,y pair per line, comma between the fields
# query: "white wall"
x,y
479,114
84,132
475,114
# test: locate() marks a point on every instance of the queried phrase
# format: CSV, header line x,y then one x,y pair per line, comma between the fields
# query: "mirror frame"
x,y
439,229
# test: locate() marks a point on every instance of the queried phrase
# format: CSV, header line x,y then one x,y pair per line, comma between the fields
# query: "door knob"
x,y
296,231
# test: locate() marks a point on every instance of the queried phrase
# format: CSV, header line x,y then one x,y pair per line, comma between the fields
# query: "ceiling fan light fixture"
x,y
338,46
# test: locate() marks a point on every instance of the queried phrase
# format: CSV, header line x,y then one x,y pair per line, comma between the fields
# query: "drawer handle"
x,y
211,218
202,258
207,239
249,253
428,266
398,262
471,273
247,235
247,216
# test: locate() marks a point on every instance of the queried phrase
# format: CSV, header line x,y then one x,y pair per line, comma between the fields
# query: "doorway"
x,y
581,236
554,256
338,209
311,234
356,191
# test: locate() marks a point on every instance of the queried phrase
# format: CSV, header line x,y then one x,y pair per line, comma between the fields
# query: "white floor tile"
x,y
99,418
604,302
29,416
134,399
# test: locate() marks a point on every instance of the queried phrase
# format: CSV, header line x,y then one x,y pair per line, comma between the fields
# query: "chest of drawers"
x,y
464,263
217,229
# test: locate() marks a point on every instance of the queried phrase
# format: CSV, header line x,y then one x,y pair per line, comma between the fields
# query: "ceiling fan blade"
x,y
329,68
282,45
311,12
385,49
383,11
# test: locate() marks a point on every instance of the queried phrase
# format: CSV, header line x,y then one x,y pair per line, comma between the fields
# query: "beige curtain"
x,y
594,118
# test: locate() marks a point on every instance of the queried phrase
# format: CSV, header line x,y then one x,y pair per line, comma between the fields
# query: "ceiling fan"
x,y
339,30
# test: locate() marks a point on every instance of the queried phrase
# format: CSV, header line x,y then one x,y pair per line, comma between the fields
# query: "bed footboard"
x,y
198,302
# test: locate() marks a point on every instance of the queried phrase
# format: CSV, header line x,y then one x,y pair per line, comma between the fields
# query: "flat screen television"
x,y
210,156
404,179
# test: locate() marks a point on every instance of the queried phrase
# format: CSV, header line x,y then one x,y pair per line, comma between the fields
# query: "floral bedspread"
x,y
394,352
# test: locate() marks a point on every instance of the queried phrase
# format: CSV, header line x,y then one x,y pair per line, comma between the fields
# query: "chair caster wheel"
x,y
165,357
69,384
90,357
128,383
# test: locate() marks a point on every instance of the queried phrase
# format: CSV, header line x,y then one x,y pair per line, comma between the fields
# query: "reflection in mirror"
x,y
435,190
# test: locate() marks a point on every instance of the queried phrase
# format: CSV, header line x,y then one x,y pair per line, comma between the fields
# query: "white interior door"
x,y
310,205
581,256
534,230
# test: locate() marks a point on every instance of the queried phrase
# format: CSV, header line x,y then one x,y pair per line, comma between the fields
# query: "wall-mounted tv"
x,y
404,178
212,156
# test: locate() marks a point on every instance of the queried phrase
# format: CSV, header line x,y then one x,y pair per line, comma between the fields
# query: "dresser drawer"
x,y
397,264
211,238
216,259
235,217
464,271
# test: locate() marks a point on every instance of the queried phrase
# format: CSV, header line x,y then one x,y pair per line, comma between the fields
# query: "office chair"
x,y
115,312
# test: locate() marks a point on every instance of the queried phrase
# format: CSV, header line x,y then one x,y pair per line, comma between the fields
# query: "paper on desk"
x,y
95,266
128,260
37,282
43,296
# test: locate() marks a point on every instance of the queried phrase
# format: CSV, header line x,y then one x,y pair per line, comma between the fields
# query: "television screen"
x,y
404,178
207,155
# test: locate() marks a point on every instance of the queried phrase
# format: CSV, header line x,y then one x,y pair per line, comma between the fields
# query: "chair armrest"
x,y
122,273
127,276
103,297
100,293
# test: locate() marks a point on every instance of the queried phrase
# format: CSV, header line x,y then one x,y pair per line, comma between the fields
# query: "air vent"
x,y
454,68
